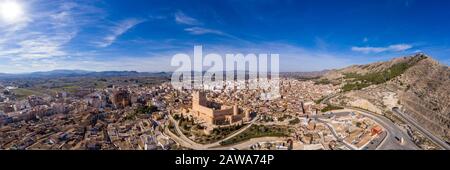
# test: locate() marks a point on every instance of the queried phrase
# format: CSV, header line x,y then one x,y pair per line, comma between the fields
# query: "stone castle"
x,y
214,113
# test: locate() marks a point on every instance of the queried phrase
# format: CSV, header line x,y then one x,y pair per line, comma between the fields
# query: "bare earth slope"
x,y
417,84
427,96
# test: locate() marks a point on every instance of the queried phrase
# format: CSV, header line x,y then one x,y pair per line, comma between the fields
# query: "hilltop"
x,y
417,84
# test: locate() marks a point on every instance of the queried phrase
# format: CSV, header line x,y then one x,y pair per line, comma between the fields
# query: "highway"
x,y
441,143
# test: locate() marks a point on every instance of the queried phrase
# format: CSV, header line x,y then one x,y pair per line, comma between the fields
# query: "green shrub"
x,y
359,81
331,107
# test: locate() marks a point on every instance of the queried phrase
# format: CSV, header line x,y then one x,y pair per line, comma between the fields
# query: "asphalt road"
x,y
185,141
375,143
441,143
336,135
392,141
245,145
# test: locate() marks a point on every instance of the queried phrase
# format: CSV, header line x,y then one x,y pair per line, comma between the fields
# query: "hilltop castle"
x,y
214,113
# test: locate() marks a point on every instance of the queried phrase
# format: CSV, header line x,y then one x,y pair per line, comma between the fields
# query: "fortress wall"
x,y
238,117
224,112
203,110
210,115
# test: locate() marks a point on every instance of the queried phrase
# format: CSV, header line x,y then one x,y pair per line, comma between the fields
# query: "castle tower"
x,y
198,98
247,114
235,110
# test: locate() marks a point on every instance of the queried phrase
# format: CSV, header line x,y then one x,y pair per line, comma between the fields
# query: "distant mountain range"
x,y
85,73
80,73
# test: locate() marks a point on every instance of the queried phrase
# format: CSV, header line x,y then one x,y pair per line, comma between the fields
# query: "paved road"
x,y
336,135
441,143
377,142
215,144
391,141
186,142
394,133
245,145
184,138
178,139
373,145
325,100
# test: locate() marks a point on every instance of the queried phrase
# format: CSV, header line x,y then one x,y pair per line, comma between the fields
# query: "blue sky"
x,y
143,35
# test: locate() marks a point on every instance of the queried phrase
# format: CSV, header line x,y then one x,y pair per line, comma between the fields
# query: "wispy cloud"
x,y
197,27
290,58
182,18
39,47
119,29
44,32
391,48
200,31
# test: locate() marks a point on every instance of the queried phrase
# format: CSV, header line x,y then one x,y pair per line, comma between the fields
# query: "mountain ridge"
x,y
78,73
417,84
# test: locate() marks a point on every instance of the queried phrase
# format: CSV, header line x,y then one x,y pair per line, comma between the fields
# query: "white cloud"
x,y
117,30
200,31
182,18
292,58
391,48
40,47
44,32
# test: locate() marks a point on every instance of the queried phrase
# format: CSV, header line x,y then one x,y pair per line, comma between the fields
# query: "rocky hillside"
x,y
417,84
426,95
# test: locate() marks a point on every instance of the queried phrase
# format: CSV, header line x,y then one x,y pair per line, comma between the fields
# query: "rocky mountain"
x,y
417,84
426,95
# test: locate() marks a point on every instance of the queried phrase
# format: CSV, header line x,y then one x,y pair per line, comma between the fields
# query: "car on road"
x,y
399,139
